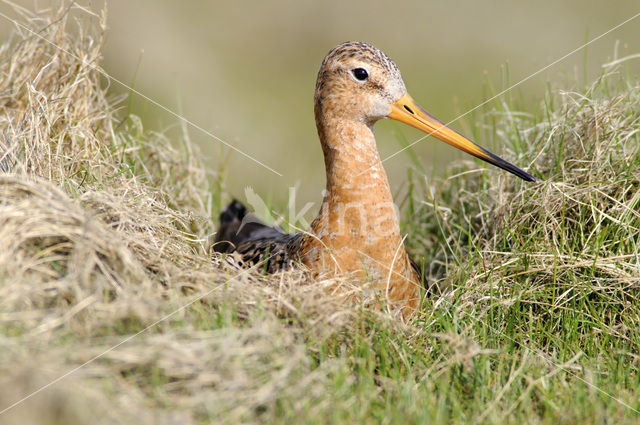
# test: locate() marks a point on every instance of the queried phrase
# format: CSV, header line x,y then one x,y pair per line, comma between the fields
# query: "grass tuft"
x,y
105,228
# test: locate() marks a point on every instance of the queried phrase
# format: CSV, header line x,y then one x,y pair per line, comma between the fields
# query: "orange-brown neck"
x,y
357,206
352,163
356,230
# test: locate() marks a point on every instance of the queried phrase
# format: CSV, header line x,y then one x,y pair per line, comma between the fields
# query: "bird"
x,y
356,232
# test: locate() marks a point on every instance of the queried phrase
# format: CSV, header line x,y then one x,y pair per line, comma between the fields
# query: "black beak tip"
x,y
507,166
519,172
528,177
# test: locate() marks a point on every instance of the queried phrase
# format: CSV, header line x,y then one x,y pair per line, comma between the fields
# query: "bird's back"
x,y
255,241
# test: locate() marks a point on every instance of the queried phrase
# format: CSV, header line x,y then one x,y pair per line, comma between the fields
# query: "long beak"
x,y
406,110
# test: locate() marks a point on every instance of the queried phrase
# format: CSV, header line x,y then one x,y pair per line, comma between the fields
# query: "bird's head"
x,y
359,82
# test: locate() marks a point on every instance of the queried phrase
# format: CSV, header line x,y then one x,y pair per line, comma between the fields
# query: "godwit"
x,y
356,231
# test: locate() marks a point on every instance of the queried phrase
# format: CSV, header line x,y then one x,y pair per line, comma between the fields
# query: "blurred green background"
x,y
246,70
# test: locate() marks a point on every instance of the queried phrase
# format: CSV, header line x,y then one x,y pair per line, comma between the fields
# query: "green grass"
x,y
546,275
542,321
108,223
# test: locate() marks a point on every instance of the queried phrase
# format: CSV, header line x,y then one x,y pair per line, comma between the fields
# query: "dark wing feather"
x,y
255,241
238,226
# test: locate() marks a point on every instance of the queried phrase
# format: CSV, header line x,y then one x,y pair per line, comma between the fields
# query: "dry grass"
x,y
105,229
582,214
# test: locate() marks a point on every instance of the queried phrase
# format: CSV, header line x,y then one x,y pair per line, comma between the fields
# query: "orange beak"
x,y
406,110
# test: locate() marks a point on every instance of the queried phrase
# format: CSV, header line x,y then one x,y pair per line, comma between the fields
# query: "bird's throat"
x,y
357,215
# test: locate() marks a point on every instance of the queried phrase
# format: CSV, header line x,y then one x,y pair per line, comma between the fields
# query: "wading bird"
x,y
356,231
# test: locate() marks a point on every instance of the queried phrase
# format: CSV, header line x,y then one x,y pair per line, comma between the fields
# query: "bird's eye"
x,y
360,74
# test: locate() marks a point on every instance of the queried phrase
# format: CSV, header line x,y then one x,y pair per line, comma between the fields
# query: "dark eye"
x,y
360,74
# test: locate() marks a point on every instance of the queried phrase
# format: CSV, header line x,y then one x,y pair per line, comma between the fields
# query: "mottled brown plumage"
x,y
356,232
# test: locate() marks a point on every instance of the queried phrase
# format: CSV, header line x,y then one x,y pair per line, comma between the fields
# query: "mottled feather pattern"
x,y
273,254
255,241
361,51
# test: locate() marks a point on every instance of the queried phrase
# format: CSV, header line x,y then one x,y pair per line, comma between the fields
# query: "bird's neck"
x,y
356,230
357,207
352,163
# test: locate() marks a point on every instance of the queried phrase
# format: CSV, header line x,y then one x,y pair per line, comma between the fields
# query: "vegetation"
x,y
106,281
